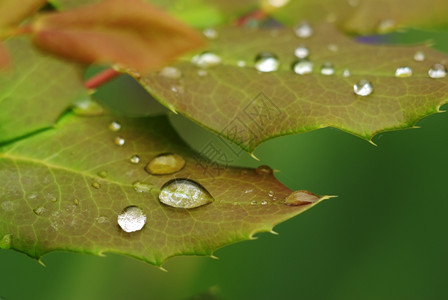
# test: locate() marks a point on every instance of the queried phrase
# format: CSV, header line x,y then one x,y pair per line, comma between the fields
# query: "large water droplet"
x,y
135,159
302,67
303,30
119,141
419,56
184,193
264,170
327,69
114,126
5,242
403,72
141,187
301,52
301,198
166,163
437,71
206,60
171,73
132,219
210,33
363,88
266,62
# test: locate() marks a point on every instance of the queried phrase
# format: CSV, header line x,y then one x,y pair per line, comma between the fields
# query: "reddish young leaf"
x,y
12,12
128,32
4,57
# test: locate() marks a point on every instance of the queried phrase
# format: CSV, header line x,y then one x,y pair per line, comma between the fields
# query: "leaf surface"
x,y
128,32
62,189
35,89
248,106
12,12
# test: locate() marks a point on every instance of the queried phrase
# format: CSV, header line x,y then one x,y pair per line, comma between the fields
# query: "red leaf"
x,y
128,32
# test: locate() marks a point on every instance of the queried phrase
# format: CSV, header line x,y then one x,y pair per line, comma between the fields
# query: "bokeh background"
x,y
384,237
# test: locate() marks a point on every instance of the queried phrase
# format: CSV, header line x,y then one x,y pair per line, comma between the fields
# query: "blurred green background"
x,y
384,237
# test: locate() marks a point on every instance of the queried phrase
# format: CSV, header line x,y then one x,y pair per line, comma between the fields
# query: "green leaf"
x,y
12,12
35,90
128,32
62,189
249,107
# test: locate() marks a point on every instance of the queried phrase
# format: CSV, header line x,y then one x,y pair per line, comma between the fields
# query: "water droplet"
x,y
53,199
210,33
87,107
301,52
333,47
403,72
206,60
96,185
5,242
166,163
132,219
301,198
248,191
264,202
327,69
346,73
303,30
32,196
202,73
141,187
269,4
363,88
386,25
178,89
102,174
119,141
184,193
263,170
302,67
40,210
76,202
266,62
102,220
271,193
135,159
419,56
253,202
235,203
241,63
114,126
437,71
170,73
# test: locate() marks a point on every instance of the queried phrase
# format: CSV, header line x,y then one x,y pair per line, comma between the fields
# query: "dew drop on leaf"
x,y
114,126
303,30
184,193
264,170
119,141
386,25
266,62
76,202
96,185
141,187
419,56
297,198
327,69
210,33
437,71
166,163
87,107
135,159
264,202
346,73
5,242
39,210
302,67
301,52
202,73
333,47
170,73
253,202
241,63
363,88
132,219
403,72
206,60
102,174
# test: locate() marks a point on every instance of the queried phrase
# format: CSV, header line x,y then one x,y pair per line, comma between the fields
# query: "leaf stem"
x,y
101,78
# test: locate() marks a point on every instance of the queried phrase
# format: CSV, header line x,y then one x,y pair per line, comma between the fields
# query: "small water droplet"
x,y
119,141
76,202
248,191
269,4
302,67
165,163
40,210
102,220
437,71
53,199
327,69
87,107
32,196
235,203
202,73
170,73
386,25
241,63
266,62
132,219
301,198
264,202
303,30
5,242
210,33
403,72
263,170
206,59
253,202
178,89
141,187
114,126
96,185
135,159
184,193
419,56
346,73
271,193
301,52
102,174
363,88
333,47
